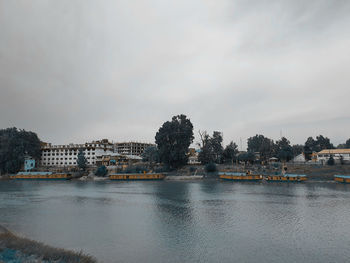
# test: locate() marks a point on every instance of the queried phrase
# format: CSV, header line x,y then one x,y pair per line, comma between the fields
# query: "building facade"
x,y
339,155
131,148
66,155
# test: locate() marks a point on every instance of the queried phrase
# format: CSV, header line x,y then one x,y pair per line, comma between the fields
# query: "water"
x,y
206,221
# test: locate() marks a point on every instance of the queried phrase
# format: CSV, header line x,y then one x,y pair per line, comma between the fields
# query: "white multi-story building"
x,y
66,155
339,155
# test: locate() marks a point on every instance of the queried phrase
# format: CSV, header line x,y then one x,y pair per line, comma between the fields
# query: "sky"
x,y
82,70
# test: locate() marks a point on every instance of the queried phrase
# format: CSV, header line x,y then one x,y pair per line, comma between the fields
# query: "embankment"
x,y
18,249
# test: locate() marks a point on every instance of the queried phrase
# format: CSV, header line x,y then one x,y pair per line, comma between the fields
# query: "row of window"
x,y
66,158
63,163
334,155
53,154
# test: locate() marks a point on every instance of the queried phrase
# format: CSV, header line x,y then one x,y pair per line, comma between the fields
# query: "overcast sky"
x,y
75,71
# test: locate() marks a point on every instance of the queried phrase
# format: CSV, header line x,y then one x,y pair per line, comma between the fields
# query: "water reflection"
x,y
206,221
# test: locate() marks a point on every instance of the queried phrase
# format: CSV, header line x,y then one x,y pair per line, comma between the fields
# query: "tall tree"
x,y
317,145
151,155
261,144
230,152
297,149
81,161
173,140
14,145
283,150
211,148
347,144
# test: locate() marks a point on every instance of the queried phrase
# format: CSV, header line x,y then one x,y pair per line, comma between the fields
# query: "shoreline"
x,y
20,249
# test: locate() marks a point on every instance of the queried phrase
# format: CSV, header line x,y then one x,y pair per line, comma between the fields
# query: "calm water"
x,y
207,221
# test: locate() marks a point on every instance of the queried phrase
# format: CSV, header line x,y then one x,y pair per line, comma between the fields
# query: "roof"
x,y
334,151
233,173
294,175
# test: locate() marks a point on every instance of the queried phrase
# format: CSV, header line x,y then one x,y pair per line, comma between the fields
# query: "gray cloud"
x,y
79,70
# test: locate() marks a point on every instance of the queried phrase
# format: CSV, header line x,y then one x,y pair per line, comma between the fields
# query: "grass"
x,y
41,251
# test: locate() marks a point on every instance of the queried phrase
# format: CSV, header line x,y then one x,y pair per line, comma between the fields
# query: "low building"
x,y
116,159
339,155
66,155
131,148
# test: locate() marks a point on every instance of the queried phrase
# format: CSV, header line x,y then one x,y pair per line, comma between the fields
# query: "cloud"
x,y
82,70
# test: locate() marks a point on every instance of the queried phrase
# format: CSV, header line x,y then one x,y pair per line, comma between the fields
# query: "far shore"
x,y
198,172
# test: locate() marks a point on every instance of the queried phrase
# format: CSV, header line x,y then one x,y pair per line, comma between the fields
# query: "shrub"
x,y
331,161
101,171
210,167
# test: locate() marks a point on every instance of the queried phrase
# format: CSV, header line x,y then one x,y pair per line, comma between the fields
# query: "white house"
x,y
337,154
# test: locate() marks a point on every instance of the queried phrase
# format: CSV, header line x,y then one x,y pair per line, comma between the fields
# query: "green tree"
x,y
151,155
211,148
14,145
173,140
101,171
230,152
81,161
317,145
309,147
284,150
297,149
247,157
347,144
261,144
331,160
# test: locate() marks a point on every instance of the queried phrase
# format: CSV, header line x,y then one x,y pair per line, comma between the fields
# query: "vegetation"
x,y
230,153
247,157
261,144
14,145
101,171
28,248
284,150
317,145
211,148
81,161
173,140
331,161
210,167
151,155
135,169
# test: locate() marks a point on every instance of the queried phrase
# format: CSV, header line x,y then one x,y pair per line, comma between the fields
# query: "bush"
x,y
331,161
210,167
193,169
135,169
101,171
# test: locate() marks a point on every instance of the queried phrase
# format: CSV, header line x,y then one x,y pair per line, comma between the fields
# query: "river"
x,y
168,221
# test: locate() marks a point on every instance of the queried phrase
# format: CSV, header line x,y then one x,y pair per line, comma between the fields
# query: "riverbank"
x,y
196,172
17,249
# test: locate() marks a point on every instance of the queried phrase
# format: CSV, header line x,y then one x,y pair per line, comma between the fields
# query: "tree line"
x,y
174,138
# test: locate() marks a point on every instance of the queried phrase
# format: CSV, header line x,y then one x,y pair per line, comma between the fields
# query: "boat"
x,y
342,178
41,176
286,177
137,176
239,176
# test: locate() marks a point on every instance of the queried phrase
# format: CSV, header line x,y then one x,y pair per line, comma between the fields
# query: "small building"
x,y
339,155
